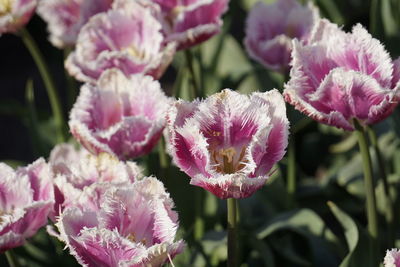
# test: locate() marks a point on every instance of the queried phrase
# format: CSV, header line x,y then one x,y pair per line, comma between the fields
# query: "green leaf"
x,y
248,4
390,24
310,226
261,252
232,61
14,163
330,8
215,246
33,124
344,145
356,239
11,107
350,176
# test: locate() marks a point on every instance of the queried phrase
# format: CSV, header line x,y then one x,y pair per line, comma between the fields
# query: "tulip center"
x,y
132,50
5,6
291,31
132,237
227,160
2,213
176,11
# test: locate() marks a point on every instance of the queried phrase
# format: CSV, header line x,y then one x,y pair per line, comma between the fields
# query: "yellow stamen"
x,y
5,6
225,161
1,216
135,52
132,237
176,11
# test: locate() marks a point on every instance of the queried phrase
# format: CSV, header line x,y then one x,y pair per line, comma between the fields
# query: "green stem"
x,y
388,202
12,260
291,156
232,232
163,161
176,89
291,172
47,80
198,220
162,154
72,85
190,65
37,144
370,192
201,72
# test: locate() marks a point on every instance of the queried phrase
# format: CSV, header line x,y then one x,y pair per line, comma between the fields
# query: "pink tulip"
x,y
340,77
26,200
65,18
229,142
191,22
123,116
392,258
135,226
14,14
270,29
127,37
76,171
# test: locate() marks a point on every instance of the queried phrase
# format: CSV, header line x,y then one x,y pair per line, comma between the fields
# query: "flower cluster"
x,y
103,208
141,36
119,48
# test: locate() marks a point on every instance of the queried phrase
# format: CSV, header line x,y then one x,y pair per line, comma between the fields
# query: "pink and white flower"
x,y
123,116
229,142
270,29
127,37
190,22
339,77
76,171
65,18
135,226
26,200
14,14
392,258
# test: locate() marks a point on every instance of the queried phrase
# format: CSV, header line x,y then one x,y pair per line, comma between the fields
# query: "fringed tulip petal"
x,y
396,73
26,200
340,77
271,28
123,116
65,18
14,14
191,22
392,258
229,142
135,226
126,37
76,171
